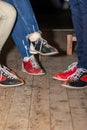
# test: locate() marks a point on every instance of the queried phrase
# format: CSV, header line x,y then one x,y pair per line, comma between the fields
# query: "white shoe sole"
x,y
59,79
43,54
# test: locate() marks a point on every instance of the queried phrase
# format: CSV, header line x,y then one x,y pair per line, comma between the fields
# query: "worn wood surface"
x,y
42,103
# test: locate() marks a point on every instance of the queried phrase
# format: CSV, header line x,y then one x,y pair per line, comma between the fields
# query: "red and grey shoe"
x,y
78,80
8,78
63,76
31,66
40,46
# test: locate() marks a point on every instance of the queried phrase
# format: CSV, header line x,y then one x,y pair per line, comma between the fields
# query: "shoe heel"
x,y
23,68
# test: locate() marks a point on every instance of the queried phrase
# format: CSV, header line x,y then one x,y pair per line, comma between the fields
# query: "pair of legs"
x,y
27,37
77,73
7,19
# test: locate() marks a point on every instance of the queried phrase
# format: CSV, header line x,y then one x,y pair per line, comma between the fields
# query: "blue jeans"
x,y
79,18
25,24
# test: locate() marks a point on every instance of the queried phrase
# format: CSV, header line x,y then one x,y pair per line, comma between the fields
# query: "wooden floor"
x,y
42,103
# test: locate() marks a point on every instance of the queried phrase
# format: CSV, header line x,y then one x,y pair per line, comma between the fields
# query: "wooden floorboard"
x,y
42,103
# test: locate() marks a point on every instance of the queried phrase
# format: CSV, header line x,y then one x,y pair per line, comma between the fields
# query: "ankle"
x,y
34,36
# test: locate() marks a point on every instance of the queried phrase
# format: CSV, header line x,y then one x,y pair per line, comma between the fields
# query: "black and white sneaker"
x,y
8,78
78,80
40,46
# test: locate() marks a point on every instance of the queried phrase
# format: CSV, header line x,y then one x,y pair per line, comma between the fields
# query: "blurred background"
x,y
52,14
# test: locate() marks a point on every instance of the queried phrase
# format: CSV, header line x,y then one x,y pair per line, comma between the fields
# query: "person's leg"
x,y
79,18
77,23
82,62
26,35
8,77
26,25
7,19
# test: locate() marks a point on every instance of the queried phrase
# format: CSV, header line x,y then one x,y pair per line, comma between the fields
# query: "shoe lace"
x,y
77,74
43,42
34,62
71,67
5,71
